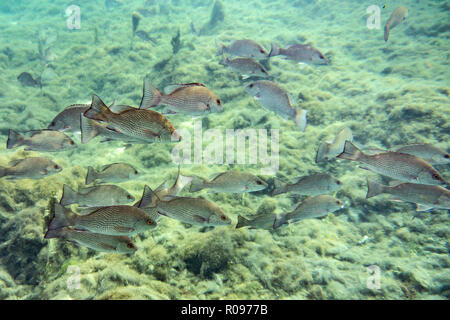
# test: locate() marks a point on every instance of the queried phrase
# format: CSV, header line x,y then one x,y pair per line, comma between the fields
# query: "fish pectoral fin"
x,y
361,167
245,76
107,246
113,129
123,229
151,133
396,200
43,171
199,218
168,111
423,207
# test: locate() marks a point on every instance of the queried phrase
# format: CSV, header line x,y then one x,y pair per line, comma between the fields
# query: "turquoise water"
x,y
388,93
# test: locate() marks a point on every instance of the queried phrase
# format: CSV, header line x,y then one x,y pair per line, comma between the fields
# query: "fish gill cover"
x,y
261,224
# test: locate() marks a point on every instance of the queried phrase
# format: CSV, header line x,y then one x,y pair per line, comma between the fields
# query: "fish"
x,y
96,241
149,198
398,15
331,149
68,119
32,168
91,129
27,80
146,125
312,185
312,207
427,152
114,172
425,196
229,182
195,211
145,36
265,221
189,98
247,67
112,220
40,140
399,166
305,53
102,195
243,48
274,98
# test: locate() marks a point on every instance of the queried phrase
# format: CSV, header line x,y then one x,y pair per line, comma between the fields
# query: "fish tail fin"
x,y
151,96
63,218
55,233
386,32
242,222
197,184
374,188
69,196
322,151
274,50
280,219
2,172
89,129
300,119
91,175
180,183
98,110
220,48
15,139
351,152
279,187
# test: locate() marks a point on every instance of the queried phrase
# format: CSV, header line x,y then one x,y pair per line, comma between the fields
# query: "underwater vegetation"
x,y
114,211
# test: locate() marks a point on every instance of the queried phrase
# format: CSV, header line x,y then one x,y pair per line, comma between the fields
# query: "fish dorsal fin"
x,y
147,94
149,198
172,87
79,105
107,246
299,179
423,207
216,175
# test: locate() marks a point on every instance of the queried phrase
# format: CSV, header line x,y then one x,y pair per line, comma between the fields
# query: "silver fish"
x,y
331,149
312,185
427,152
114,172
261,221
33,168
96,241
146,125
312,207
113,220
230,182
69,118
299,52
194,211
399,166
247,67
102,195
189,98
426,197
397,16
40,140
274,98
242,48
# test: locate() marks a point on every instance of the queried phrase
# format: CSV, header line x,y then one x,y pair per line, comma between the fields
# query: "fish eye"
x,y
338,202
52,124
218,101
56,166
447,156
259,182
223,217
338,182
149,221
72,143
136,172
436,177
262,51
251,85
128,197
130,245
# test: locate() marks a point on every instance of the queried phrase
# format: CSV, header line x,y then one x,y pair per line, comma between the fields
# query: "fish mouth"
x,y
175,137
